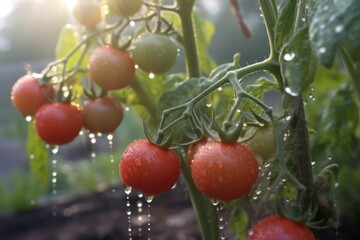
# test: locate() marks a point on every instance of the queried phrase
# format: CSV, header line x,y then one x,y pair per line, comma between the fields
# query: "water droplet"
x,y
214,202
128,212
140,194
132,24
322,50
209,105
31,156
55,149
28,118
220,89
339,28
127,190
127,109
289,57
151,75
289,91
149,199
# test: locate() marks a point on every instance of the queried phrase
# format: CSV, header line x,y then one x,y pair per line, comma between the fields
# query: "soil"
x,y
102,215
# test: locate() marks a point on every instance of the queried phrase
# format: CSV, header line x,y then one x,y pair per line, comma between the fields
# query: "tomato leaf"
x,y
335,24
204,32
284,27
38,155
297,63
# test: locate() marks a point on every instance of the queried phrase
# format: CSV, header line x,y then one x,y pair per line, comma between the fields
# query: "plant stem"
x,y
300,153
191,54
144,98
204,210
270,18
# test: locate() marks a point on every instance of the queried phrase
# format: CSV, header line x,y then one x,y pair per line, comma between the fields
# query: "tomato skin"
x,y
194,148
155,53
111,68
276,227
87,13
28,96
102,115
224,171
125,8
263,143
149,168
58,123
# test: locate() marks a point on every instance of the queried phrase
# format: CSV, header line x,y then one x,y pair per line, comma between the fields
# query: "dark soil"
x,y
102,215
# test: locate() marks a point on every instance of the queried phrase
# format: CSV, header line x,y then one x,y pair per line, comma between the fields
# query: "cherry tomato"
x,y
111,68
194,148
102,115
149,168
124,8
263,143
58,123
276,227
27,95
87,13
155,53
224,171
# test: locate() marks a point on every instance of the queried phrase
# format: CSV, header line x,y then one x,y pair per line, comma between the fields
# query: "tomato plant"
x,y
28,95
149,168
58,123
224,171
102,114
111,68
227,103
155,52
279,228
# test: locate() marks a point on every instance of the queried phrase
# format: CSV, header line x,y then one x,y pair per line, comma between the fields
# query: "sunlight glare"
x,y
69,4
6,6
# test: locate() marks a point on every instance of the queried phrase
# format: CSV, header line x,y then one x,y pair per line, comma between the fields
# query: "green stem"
x,y
144,98
354,74
189,42
204,210
270,19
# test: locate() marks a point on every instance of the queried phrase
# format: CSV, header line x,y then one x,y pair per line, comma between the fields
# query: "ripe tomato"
x,y
27,95
276,227
87,13
111,68
149,168
194,148
58,123
102,115
263,143
155,53
124,8
224,171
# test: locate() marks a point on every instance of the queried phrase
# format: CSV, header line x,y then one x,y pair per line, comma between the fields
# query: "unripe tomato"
x,y
111,68
27,95
224,171
275,227
155,53
149,168
58,123
102,115
87,13
124,8
263,143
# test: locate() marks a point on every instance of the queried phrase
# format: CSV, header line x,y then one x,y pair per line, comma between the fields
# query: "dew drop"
x,y
132,24
289,91
214,202
28,118
339,28
127,190
151,75
322,50
209,105
149,199
289,57
127,109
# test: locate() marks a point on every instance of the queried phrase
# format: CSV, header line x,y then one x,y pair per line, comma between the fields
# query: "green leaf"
x,y
297,63
204,33
239,219
284,27
38,155
334,24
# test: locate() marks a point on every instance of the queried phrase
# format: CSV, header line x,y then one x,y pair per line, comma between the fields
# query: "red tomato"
x,y
224,171
149,168
111,68
58,123
194,148
87,13
102,115
27,95
276,227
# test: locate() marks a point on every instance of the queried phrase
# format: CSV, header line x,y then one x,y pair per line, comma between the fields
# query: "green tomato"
x,y
155,53
124,8
263,143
